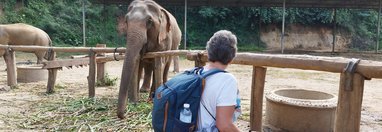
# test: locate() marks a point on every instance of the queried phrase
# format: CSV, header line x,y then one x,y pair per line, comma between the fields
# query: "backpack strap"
x,y
208,111
204,76
211,72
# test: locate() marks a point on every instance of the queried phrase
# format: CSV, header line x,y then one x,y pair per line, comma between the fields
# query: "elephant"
x,y
24,34
122,28
149,28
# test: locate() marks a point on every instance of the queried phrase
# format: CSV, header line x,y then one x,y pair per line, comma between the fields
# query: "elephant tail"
x,y
49,53
50,41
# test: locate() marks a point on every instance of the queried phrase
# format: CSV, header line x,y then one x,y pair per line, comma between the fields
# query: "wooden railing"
x,y
53,65
348,112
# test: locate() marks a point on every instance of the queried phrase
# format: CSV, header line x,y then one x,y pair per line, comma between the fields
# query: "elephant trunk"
x,y
136,39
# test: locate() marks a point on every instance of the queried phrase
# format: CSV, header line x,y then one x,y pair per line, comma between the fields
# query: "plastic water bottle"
x,y
185,114
237,111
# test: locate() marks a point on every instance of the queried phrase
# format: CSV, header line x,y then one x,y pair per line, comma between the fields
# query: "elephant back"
x,y
24,34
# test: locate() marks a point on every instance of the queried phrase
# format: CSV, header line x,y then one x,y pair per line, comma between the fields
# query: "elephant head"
x,y
149,28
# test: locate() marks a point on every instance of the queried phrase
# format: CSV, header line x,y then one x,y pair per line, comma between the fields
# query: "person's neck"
x,y
217,65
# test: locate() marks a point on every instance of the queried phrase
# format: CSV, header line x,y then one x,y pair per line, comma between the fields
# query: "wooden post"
x,y
198,60
158,73
257,94
52,74
334,22
348,114
101,66
283,29
185,24
92,73
83,23
176,64
10,61
378,27
101,72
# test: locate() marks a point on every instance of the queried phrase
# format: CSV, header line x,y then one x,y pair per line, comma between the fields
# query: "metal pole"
x,y
378,27
259,32
185,24
334,22
283,29
83,23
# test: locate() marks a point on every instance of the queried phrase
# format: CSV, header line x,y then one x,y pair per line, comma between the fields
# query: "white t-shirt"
x,y
220,90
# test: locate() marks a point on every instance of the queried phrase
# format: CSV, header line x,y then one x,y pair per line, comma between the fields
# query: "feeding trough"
x,y
300,110
31,73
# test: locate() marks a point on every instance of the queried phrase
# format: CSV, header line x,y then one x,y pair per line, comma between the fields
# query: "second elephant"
x,y
24,34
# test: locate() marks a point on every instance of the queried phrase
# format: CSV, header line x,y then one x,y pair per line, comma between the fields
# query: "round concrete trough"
x,y
31,73
299,110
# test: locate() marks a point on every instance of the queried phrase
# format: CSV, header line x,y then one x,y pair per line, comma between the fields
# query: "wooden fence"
x,y
348,112
53,65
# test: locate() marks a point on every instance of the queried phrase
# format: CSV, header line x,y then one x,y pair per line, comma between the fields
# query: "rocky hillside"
x,y
305,37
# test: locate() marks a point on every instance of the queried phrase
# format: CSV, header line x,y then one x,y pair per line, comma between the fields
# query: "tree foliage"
x,y
63,21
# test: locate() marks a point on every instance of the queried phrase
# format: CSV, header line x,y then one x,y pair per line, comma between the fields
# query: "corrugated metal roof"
x,y
361,4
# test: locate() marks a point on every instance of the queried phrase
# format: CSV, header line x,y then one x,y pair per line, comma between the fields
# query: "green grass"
x,y
107,81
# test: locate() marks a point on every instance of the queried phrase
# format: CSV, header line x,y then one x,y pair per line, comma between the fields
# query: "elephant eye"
x,y
149,23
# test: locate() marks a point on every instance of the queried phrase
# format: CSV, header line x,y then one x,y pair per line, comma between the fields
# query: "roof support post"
x,y
185,24
378,27
283,29
83,23
259,32
334,22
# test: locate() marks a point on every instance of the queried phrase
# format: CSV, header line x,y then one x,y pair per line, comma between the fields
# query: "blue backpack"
x,y
169,98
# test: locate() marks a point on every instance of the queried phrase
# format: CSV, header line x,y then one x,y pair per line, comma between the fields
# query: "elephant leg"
x,y
153,88
166,68
147,77
40,55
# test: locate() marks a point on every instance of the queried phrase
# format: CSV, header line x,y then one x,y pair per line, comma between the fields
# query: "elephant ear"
x,y
165,26
122,25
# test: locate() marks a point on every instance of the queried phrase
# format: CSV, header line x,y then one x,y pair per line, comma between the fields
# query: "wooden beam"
x,y
65,63
168,53
369,69
257,94
78,61
110,58
348,114
63,49
10,61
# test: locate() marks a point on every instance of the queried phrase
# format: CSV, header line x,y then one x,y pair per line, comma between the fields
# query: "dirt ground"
x,y
18,100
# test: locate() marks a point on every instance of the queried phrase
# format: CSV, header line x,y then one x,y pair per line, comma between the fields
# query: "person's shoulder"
x,y
225,75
